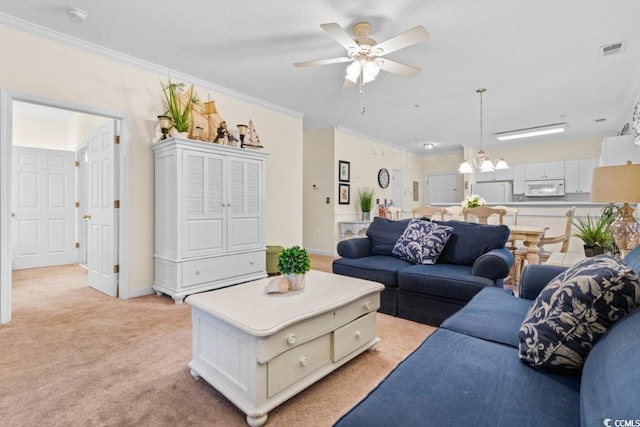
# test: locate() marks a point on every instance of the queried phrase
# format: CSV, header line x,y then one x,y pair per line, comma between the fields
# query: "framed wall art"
x,y
344,194
344,170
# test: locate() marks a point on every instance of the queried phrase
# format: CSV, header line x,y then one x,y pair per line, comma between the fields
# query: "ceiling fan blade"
x,y
408,38
398,68
322,62
340,35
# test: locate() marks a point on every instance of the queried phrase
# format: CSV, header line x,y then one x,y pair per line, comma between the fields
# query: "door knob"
x,y
86,216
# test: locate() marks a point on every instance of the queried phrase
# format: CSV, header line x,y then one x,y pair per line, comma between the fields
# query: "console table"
x,y
354,226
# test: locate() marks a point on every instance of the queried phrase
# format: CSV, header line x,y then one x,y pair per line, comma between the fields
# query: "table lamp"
x,y
619,184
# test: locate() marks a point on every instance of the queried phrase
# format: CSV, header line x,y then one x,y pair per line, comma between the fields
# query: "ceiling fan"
x,y
366,55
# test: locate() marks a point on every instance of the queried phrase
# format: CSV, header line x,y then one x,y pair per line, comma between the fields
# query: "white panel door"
x,y
101,215
442,189
396,188
43,225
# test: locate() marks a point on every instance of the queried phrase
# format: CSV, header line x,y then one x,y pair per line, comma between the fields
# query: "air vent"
x,y
613,48
600,120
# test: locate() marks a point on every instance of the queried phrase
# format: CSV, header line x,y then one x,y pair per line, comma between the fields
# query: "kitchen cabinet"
x,y
578,174
209,222
549,170
518,178
616,150
498,175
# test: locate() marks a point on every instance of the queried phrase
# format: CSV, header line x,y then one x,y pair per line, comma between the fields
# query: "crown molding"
x,y
29,27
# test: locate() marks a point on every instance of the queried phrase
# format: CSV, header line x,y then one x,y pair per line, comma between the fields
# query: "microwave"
x,y
544,188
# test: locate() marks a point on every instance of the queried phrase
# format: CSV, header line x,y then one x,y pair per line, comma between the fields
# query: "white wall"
x,y
83,77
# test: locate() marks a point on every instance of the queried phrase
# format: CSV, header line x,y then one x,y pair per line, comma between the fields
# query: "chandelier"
x,y
482,160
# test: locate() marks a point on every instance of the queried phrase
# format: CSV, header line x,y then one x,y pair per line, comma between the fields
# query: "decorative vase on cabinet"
x,y
209,227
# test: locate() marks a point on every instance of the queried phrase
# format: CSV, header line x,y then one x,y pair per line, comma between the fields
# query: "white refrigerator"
x,y
494,192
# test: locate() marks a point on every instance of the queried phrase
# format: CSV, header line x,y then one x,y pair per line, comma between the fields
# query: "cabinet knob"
x,y
358,334
303,361
367,305
291,339
197,272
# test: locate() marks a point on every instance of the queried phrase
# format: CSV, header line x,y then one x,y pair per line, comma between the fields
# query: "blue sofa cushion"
x,y
611,375
384,234
377,268
469,241
443,280
574,310
422,242
494,314
456,380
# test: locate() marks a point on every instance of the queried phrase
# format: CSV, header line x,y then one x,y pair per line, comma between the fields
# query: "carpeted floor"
x,y
72,356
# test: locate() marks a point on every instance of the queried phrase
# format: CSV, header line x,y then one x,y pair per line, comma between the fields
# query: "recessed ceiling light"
x,y
76,13
429,146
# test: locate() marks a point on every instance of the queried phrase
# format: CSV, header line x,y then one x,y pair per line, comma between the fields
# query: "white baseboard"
x,y
321,252
133,293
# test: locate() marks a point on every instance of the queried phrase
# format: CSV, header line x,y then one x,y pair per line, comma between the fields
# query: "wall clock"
x,y
383,178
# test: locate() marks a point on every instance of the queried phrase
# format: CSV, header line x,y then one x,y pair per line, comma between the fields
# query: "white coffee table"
x,y
260,349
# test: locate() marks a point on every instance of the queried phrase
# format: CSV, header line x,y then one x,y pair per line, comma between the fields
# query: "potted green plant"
x,y
365,198
594,233
294,262
180,114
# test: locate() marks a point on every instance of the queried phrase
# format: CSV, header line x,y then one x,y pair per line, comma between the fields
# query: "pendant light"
x,y
482,160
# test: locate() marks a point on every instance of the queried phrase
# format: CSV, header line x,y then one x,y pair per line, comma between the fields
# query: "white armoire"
x,y
209,216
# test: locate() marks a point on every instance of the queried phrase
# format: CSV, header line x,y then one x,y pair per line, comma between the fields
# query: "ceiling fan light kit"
x,y
482,160
365,53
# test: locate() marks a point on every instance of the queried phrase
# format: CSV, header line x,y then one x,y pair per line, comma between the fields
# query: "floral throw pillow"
x,y
422,242
574,310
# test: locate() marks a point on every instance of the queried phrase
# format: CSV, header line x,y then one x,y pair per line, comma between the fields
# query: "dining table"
x,y
530,237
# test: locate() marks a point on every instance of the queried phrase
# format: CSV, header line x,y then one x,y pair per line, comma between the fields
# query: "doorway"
x,y
8,100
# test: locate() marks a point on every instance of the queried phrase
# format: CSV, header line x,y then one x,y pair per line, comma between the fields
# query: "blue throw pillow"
x,y
384,233
469,241
422,242
574,310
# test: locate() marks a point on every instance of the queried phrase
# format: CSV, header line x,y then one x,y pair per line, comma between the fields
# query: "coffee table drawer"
x,y
297,363
353,336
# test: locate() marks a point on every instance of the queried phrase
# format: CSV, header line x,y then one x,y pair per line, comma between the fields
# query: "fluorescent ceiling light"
x,y
529,132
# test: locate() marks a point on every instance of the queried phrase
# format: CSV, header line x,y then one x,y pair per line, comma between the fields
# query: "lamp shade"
x,y
616,184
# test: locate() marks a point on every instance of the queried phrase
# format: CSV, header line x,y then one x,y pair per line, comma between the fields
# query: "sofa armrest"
x,y
358,247
494,265
534,277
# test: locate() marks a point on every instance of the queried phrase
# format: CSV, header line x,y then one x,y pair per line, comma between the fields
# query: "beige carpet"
x,y
74,357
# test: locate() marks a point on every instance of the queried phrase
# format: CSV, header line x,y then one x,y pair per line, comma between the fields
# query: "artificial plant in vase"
x,y
365,198
294,262
177,109
595,235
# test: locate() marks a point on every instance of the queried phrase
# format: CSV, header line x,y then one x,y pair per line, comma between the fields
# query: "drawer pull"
x,y
292,339
367,305
303,361
358,334
197,272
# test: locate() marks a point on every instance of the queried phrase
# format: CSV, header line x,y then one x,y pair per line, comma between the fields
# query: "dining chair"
x,y
429,212
394,212
510,211
483,213
455,212
550,240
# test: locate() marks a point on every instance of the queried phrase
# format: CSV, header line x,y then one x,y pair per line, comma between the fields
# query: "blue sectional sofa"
x,y
468,372
473,258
